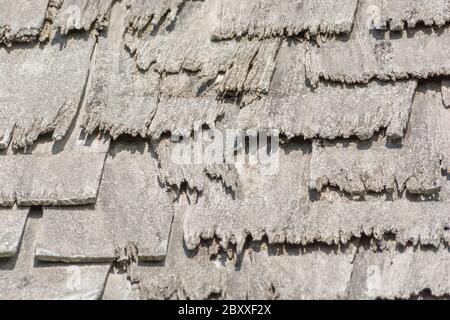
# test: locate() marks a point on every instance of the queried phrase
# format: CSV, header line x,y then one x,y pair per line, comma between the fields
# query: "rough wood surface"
x,y
269,18
13,223
414,164
132,210
401,14
22,20
22,279
41,90
331,110
367,55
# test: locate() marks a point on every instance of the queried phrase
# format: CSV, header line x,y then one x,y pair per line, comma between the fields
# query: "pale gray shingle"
x,y
414,164
21,278
131,209
13,223
368,55
269,18
41,89
400,14
22,20
82,15
331,110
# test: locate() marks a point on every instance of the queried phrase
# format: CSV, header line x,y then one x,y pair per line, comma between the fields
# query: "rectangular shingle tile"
x,y
398,14
82,14
122,100
367,54
330,110
22,20
131,209
395,274
263,204
374,166
171,83
41,89
119,287
10,169
13,223
269,18
22,278
411,223
277,272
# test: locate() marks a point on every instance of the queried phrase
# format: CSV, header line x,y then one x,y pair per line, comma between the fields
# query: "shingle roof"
x,y
114,188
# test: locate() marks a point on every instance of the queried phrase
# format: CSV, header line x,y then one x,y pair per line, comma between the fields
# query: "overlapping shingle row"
x,y
91,91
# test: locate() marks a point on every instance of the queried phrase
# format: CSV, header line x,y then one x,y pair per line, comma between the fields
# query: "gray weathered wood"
x,y
175,172
277,272
22,20
143,13
67,178
331,110
41,89
246,65
446,93
250,211
269,18
132,209
23,278
369,54
83,15
401,14
13,223
394,274
330,222
263,273
374,166
121,99
119,287
62,172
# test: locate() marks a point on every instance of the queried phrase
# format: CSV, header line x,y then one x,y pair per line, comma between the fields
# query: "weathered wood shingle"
x,y
401,14
366,55
22,20
331,110
41,89
13,223
83,15
121,100
23,279
268,18
131,210
344,194
414,164
404,274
